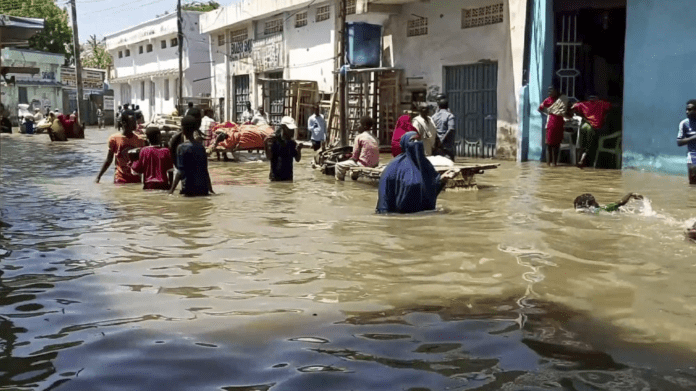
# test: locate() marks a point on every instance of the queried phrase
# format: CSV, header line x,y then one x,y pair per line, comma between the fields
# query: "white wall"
x,y
447,44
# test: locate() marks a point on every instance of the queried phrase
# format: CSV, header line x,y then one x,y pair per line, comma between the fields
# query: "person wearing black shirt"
x,y
281,149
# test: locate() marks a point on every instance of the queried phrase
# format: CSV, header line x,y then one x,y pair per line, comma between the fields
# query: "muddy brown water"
x,y
299,286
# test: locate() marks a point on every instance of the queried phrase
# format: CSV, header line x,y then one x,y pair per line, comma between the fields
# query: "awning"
x,y
145,76
15,30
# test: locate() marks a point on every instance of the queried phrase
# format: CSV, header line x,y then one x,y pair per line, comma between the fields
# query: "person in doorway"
x,y
687,137
100,117
260,118
188,108
154,162
587,202
556,106
192,163
365,150
281,149
593,112
410,183
426,128
118,146
317,128
445,123
403,126
247,115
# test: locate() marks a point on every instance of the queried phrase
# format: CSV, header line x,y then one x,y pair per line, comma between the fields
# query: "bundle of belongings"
x,y
168,125
230,137
326,160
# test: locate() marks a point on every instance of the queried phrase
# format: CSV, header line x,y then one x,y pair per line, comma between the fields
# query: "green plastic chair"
x,y
615,150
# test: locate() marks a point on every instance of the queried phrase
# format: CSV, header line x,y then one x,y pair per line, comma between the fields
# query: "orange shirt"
x,y
119,145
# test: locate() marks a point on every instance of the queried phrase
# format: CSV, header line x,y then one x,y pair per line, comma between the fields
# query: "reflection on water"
x,y
296,286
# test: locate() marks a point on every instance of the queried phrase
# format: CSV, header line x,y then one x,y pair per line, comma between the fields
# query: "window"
x,y
417,27
174,42
351,7
140,50
323,13
127,52
221,39
23,96
481,16
120,54
273,26
142,90
239,35
149,47
301,19
163,44
166,89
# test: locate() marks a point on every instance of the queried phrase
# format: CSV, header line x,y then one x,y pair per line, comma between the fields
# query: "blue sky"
x,y
101,17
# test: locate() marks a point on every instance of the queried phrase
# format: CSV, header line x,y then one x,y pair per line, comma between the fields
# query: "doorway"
x,y
590,42
473,99
241,96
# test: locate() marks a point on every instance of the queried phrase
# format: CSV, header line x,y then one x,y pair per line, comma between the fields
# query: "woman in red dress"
x,y
556,106
403,126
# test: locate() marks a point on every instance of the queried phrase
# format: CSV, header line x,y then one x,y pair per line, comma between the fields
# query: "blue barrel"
x,y
364,46
29,127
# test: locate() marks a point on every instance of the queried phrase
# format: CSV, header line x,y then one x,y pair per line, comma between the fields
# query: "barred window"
x,y
140,50
301,19
221,39
273,26
417,27
175,42
163,44
127,52
148,48
239,35
351,7
482,16
323,13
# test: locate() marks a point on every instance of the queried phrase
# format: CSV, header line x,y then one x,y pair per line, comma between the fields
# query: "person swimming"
x,y
587,202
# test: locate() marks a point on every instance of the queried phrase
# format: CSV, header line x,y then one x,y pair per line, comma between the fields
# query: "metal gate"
x,y
277,97
472,94
567,54
241,95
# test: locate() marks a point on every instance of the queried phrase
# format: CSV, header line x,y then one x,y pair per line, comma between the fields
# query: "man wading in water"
x,y
119,144
281,149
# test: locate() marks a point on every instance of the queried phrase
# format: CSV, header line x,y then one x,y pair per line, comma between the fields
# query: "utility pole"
x,y
180,41
343,96
78,61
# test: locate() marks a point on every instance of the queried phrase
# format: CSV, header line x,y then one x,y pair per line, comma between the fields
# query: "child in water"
x,y
588,202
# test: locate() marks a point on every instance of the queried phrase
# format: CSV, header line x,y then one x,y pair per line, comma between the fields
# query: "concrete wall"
x,y
448,44
660,78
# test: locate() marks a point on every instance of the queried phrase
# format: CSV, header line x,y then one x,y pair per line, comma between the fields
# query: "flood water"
x,y
301,286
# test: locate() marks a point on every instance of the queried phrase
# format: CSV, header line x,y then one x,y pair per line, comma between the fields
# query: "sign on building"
x,y
268,53
92,80
240,50
108,102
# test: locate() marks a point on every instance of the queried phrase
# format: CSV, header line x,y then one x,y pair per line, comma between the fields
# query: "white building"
x,y
470,50
146,63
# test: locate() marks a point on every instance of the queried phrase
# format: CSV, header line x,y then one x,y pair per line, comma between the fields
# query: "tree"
x,y
94,54
201,6
56,36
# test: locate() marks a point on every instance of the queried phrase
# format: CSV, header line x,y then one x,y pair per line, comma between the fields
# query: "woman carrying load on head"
x,y
410,183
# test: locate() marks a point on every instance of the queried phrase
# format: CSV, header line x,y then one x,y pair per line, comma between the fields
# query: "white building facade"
x,y
469,50
146,63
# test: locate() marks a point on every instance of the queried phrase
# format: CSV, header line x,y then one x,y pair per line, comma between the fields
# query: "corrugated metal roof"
x,y
16,30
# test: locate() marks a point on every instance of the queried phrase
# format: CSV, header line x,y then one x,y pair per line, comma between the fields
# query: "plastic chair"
x,y
615,150
567,145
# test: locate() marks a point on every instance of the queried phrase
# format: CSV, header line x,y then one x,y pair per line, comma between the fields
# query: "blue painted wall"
x,y
660,76
540,76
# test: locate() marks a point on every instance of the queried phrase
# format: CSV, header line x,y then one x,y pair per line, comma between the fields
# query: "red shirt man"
x,y
119,145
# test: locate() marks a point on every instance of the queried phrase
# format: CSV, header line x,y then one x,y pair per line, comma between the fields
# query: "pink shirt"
x,y
366,150
154,162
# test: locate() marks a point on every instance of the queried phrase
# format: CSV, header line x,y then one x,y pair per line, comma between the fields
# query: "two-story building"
x,y
146,63
470,50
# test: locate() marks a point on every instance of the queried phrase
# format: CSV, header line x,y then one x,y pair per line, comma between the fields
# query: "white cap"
x,y
289,122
